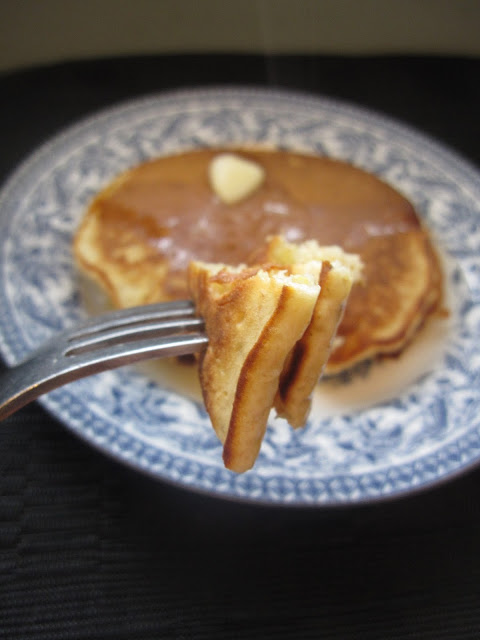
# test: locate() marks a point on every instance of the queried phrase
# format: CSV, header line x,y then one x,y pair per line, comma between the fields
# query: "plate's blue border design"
x,y
428,433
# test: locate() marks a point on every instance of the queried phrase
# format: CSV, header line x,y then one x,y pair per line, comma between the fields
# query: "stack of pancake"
x,y
271,329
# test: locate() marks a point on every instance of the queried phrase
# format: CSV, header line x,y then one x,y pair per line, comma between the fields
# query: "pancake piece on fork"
x,y
253,318
306,362
270,332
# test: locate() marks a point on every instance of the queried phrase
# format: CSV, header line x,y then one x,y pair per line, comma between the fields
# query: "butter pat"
x,y
233,178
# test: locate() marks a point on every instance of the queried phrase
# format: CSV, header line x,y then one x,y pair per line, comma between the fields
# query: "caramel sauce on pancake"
x,y
141,232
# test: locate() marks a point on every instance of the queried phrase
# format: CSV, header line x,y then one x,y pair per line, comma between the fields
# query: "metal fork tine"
x,y
134,315
127,333
110,357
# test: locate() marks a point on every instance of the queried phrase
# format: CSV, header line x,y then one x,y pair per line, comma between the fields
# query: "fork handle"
x,y
19,386
45,371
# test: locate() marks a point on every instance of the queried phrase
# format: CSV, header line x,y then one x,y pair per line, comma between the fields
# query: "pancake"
x,y
270,329
253,319
307,361
141,232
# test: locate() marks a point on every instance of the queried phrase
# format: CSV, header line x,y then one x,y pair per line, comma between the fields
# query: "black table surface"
x,y
90,549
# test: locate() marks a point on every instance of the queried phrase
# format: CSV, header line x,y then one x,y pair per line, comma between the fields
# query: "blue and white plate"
x,y
382,431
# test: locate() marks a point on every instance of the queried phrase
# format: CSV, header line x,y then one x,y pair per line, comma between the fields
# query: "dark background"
x,y
89,549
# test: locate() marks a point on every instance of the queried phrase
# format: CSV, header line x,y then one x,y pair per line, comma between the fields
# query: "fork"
x,y
101,343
